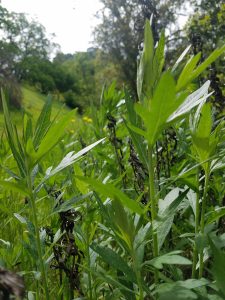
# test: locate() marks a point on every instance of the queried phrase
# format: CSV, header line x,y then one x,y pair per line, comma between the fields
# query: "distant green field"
x,y
33,102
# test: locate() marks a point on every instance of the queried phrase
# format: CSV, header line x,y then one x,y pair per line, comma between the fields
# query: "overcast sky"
x,y
71,20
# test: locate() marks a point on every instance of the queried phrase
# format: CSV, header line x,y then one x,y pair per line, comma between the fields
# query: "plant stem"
x,y
88,258
38,240
153,204
202,222
197,213
89,274
138,275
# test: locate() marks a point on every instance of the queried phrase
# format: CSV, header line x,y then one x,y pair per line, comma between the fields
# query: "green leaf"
x,y
20,218
137,130
218,266
114,260
144,73
181,58
13,139
185,74
43,122
16,187
167,291
27,128
111,280
215,215
53,135
167,209
159,108
132,116
209,60
67,161
191,101
81,185
204,141
123,222
69,204
180,290
189,73
109,190
158,61
172,258
138,143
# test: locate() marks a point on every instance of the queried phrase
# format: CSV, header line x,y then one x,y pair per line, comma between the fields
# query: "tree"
x,y
22,43
206,31
121,31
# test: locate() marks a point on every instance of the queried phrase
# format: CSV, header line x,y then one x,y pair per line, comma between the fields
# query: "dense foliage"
x,y
206,30
126,204
122,21
22,41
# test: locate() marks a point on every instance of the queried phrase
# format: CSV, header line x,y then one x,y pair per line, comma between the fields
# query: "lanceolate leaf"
x,y
159,108
68,160
212,57
138,143
43,123
114,260
215,215
191,64
194,73
109,190
181,58
218,266
144,88
172,258
158,61
181,290
191,101
16,187
13,138
53,135
167,212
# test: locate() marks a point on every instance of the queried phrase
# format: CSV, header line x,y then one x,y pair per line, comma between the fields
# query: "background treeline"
x,y
29,55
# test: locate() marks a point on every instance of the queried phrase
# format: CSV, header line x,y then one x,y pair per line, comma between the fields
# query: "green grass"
x,y
32,103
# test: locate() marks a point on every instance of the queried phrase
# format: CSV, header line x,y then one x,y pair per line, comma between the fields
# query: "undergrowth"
x,y
131,205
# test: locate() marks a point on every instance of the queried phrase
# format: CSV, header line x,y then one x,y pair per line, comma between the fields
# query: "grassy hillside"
x,y
33,102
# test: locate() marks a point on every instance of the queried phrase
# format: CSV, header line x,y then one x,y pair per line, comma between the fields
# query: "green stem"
x,y
197,214
38,240
202,222
88,259
153,204
138,275
89,274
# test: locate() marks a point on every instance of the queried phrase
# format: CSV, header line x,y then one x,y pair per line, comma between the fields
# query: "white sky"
x,y
71,20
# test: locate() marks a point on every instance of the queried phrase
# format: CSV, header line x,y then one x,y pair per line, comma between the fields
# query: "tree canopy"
x,y
120,32
206,31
